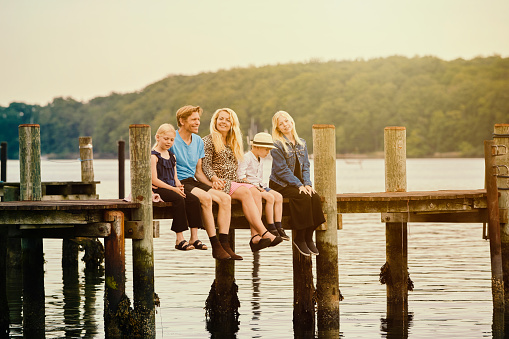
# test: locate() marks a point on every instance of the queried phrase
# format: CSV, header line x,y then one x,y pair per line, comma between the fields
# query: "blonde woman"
x,y
223,150
290,176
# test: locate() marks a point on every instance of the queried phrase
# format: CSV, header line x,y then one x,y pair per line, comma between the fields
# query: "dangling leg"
x,y
309,240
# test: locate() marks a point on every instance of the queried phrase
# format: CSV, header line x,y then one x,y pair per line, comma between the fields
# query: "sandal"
x,y
199,245
263,243
184,246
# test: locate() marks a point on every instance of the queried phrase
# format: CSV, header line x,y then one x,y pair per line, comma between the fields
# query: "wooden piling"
x,y
497,276
3,161
121,169
501,138
114,248
4,305
86,159
327,274
143,249
303,293
222,304
32,249
396,269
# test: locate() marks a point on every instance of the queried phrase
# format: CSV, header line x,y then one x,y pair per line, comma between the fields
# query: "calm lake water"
x,y
448,263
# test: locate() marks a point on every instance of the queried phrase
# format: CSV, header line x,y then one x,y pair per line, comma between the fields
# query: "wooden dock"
x,y
115,220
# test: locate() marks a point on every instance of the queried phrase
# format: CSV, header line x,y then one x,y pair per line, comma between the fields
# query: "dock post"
x,y
501,137
121,169
327,273
3,162
223,303
395,270
32,248
143,249
114,248
497,276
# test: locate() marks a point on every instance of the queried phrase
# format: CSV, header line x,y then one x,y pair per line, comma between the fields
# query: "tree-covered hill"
x,y
446,106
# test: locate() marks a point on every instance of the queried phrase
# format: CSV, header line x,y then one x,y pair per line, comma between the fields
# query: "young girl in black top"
x,y
185,206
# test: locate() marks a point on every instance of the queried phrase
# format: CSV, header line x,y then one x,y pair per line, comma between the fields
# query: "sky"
x,y
85,49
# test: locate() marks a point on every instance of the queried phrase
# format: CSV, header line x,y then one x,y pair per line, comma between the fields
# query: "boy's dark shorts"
x,y
191,183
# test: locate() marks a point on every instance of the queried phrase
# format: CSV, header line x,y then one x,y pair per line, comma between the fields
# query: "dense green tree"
x,y
446,106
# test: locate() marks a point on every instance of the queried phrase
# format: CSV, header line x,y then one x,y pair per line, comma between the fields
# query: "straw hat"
x,y
263,140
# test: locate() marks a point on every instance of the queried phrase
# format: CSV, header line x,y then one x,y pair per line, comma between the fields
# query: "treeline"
x,y
446,106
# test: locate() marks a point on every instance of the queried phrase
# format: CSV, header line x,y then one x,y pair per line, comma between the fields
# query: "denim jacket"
x,y
283,164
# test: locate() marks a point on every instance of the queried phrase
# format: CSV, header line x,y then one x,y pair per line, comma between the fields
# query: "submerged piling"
x,y
327,274
32,248
143,249
396,267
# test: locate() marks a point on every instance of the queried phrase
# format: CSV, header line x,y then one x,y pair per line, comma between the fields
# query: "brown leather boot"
x,y
218,252
228,249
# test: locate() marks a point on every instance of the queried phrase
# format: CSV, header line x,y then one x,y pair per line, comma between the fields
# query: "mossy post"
x,y
501,138
303,295
3,161
327,273
396,273
143,249
32,250
114,248
497,276
222,304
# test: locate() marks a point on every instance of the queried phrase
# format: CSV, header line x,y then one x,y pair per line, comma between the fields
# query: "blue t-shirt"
x,y
187,155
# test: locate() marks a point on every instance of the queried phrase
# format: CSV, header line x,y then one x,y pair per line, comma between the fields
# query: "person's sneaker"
x,y
302,247
282,234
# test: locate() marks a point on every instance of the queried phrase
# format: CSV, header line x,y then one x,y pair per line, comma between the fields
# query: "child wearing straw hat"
x,y
251,169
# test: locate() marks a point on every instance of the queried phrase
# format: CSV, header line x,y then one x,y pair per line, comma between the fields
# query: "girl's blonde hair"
x,y
276,133
234,137
164,129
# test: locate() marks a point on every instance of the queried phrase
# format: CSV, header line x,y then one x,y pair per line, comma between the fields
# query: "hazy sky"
x,y
85,49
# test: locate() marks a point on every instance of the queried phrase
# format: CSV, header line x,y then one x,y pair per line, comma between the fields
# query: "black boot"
x,y
309,241
300,242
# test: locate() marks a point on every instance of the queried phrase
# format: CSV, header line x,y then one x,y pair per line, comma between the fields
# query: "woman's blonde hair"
x,y
276,133
163,129
234,137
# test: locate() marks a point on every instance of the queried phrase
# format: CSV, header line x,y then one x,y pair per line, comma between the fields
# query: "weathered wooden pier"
x,y
33,218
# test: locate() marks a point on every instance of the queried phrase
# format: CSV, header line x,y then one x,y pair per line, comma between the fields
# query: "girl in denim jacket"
x,y
290,176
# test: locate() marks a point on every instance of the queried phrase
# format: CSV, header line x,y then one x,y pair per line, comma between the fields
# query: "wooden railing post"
x,y
395,270
143,249
32,249
501,138
327,280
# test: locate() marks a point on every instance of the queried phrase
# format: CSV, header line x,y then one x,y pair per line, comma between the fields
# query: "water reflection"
x,y
15,299
397,323
94,281
255,301
71,293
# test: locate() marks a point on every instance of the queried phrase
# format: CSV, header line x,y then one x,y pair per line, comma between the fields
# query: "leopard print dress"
x,y
222,164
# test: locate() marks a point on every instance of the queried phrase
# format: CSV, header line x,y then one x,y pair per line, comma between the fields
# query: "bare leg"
x,y
224,212
251,213
257,197
278,205
206,211
269,207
